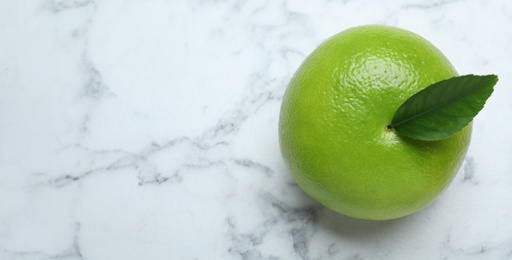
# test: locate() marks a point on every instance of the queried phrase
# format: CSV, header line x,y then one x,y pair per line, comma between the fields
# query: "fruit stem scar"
x,y
389,128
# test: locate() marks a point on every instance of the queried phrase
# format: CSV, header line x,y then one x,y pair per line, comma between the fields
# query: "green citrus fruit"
x,y
334,114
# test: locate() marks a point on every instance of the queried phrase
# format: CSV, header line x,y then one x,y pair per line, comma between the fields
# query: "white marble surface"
x,y
148,130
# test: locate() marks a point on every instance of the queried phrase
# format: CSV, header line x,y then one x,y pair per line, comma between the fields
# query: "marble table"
x,y
148,130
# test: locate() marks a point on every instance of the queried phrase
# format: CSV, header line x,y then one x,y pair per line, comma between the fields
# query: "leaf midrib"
x,y
450,101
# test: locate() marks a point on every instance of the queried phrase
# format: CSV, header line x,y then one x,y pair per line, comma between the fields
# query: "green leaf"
x,y
443,108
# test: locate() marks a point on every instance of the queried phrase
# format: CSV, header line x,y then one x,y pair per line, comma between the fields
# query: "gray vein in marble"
x,y
286,52
333,249
300,240
298,220
24,254
196,161
159,178
248,163
63,5
469,170
479,249
230,125
67,179
73,252
175,175
302,218
243,244
430,5
128,160
94,87
306,215
124,161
